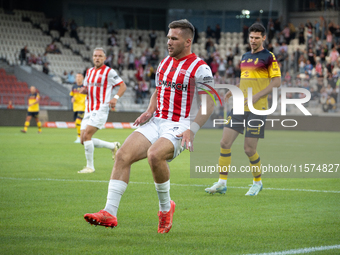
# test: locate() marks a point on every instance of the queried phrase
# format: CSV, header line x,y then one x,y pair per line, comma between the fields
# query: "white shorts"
x,y
157,128
95,118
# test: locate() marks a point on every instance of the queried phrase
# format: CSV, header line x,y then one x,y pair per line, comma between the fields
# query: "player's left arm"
x,y
145,116
205,78
274,73
274,83
37,99
83,90
189,135
115,80
122,88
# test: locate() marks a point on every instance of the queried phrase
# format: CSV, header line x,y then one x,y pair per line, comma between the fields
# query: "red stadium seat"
x,y
55,103
16,91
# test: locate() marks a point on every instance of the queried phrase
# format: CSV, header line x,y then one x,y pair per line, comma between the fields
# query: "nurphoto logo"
x,y
238,104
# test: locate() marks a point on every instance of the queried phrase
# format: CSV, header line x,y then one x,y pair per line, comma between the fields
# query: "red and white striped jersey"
x,y
100,83
178,83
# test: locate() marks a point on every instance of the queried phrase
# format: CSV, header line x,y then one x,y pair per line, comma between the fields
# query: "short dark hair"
x,y
185,25
257,27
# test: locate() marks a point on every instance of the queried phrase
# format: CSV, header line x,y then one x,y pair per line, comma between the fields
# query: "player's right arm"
x,y
275,75
83,90
229,94
72,95
149,112
274,83
37,99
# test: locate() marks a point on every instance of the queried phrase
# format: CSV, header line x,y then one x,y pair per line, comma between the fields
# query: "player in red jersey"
x,y
98,85
172,108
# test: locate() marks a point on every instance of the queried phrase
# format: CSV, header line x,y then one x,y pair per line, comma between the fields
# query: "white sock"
x,y
89,148
258,183
224,182
102,144
163,192
114,194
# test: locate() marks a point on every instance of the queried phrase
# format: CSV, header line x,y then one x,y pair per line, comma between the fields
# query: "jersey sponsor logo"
x,y
255,131
256,61
95,84
76,90
116,77
173,85
243,61
246,74
33,96
173,69
208,79
249,60
275,66
183,72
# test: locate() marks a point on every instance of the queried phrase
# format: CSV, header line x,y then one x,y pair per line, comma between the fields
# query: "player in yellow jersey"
x,y
33,109
78,100
260,71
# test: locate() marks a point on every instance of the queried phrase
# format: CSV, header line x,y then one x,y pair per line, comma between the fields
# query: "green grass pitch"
x,y
43,200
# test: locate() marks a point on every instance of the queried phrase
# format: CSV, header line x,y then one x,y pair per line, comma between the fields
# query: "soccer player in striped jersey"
x,y
260,71
32,110
98,85
174,117
78,100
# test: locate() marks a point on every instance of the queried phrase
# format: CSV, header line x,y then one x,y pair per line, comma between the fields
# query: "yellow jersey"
x,y
32,98
79,99
257,70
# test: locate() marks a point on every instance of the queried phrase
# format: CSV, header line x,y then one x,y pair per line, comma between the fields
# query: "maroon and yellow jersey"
x,y
79,99
257,70
33,100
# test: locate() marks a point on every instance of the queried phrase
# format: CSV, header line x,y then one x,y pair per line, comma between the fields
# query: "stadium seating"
x,y
32,29
16,33
16,91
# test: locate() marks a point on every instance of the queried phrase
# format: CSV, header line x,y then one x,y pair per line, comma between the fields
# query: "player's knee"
x,y
225,144
123,157
249,151
153,157
86,136
119,156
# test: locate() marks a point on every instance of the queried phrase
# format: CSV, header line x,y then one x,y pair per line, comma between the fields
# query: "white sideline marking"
x,y
301,251
175,184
